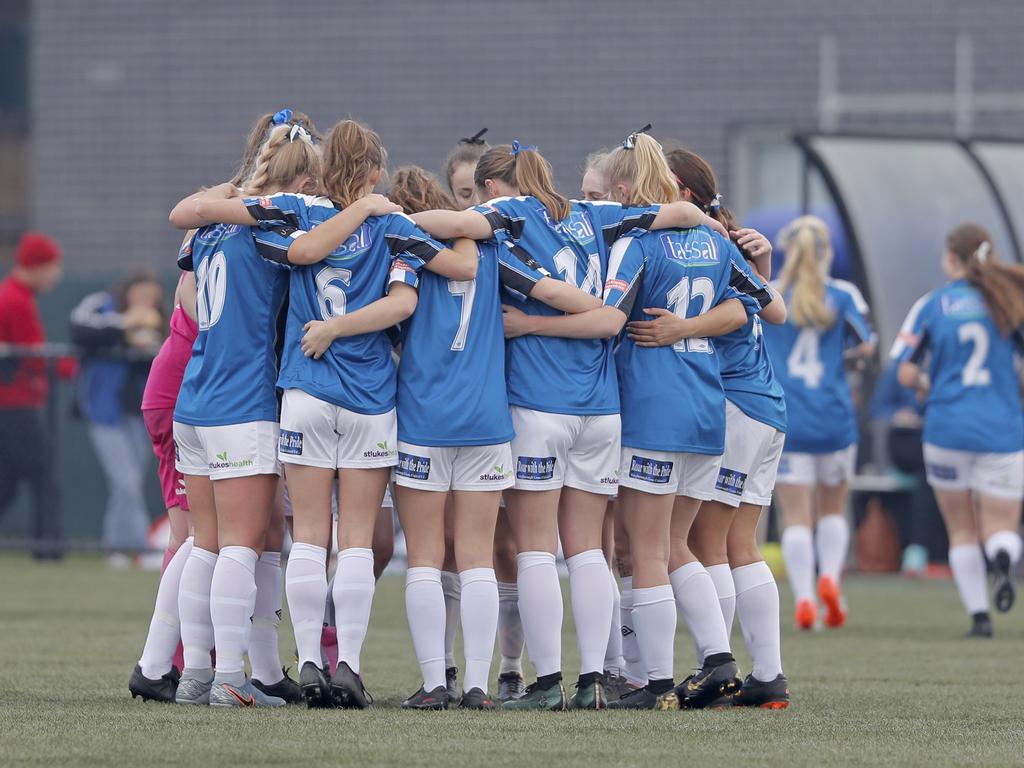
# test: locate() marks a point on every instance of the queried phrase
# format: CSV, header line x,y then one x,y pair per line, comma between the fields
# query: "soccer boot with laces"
x,y
589,693
285,688
348,690
315,687
536,698
510,686
475,698
451,679
194,687
773,694
717,678
424,699
645,698
230,694
162,689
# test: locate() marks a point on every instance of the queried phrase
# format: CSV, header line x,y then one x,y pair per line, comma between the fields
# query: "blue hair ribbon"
x,y
716,203
517,148
283,116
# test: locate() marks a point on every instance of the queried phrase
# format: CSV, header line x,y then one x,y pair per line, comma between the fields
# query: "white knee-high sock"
x,y
264,657
194,608
832,536
1006,541
452,597
540,608
798,552
721,575
654,615
757,602
232,601
165,626
698,602
479,624
968,566
306,585
635,670
353,599
613,662
510,629
591,607
425,607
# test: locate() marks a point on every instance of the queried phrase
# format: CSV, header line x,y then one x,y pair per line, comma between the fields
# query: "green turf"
x,y
897,686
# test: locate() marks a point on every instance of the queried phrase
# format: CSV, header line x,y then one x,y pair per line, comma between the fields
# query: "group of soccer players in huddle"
x,y
612,374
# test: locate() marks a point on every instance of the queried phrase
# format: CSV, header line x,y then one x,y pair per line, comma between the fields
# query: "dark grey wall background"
x,y
136,103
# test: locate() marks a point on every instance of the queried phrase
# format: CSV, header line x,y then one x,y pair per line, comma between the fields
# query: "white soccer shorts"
x,y
552,450
228,451
750,462
315,433
812,468
669,472
993,474
465,468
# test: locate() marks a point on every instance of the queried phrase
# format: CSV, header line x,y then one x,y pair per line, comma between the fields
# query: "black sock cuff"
x,y
658,687
590,677
549,681
717,659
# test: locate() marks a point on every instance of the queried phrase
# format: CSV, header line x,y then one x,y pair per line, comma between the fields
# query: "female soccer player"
x,y
338,415
226,432
960,346
154,677
456,438
565,408
460,167
723,536
827,325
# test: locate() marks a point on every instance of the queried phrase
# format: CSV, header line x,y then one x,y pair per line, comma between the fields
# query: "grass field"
x,y
896,687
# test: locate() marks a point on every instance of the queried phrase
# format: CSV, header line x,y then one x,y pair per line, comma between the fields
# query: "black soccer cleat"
x,y
1003,593
773,694
717,678
981,625
422,699
314,687
645,698
451,678
347,689
474,698
162,689
285,688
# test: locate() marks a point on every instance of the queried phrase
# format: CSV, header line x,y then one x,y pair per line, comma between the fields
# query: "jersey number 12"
x,y
678,301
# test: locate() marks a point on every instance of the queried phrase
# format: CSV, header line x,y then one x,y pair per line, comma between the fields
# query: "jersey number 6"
x,y
331,295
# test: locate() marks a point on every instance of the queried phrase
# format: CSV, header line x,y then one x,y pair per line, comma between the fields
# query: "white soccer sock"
x,y
264,657
165,626
635,671
833,541
591,607
721,575
452,596
540,607
306,585
1008,541
194,608
654,615
425,607
353,599
232,600
757,602
698,602
798,552
968,566
510,629
613,661
479,624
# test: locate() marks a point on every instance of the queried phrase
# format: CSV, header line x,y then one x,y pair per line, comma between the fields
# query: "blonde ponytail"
x,y
287,155
807,245
644,168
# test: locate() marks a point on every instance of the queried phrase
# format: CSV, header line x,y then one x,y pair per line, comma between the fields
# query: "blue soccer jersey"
x,y
451,378
808,363
230,377
747,375
356,372
547,373
974,403
672,397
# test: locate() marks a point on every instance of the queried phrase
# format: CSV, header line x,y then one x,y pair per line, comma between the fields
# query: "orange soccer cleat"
x,y
835,609
806,613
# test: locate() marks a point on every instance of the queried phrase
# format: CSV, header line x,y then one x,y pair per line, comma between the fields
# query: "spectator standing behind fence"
x,y
26,447
119,332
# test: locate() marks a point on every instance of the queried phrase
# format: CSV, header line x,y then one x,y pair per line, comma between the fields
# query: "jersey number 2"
x,y
975,374
211,290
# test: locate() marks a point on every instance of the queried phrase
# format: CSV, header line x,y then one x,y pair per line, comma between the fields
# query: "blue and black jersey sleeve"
x,y
503,219
518,272
409,247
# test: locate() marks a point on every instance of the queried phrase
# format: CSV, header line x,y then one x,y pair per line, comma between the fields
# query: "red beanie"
x,y
35,250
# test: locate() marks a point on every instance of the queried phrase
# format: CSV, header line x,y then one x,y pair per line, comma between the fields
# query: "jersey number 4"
x,y
804,361
211,290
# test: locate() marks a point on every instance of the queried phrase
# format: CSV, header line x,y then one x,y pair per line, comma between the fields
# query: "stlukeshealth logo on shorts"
x,y
535,467
290,443
226,462
731,481
650,470
382,451
497,474
413,467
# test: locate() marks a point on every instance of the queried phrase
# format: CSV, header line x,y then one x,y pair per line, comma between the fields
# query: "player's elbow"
x,y
775,313
301,252
404,302
608,322
465,269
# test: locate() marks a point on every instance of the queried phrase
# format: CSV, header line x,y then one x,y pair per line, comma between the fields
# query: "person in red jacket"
x,y
26,447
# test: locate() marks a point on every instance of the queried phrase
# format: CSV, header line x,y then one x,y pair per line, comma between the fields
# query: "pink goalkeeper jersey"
x,y
169,364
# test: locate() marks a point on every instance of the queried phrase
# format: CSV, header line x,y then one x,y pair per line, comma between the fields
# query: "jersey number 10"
x,y
211,290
